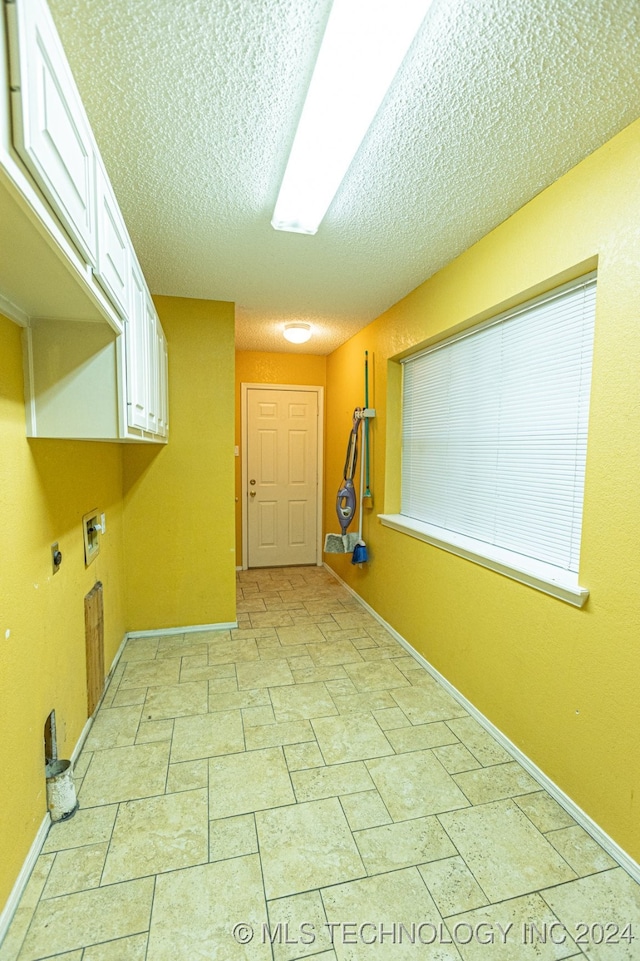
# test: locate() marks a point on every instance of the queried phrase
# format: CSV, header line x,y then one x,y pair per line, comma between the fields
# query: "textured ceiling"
x,y
194,104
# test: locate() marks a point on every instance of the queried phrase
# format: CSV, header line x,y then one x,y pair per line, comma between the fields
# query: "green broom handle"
x,y
367,492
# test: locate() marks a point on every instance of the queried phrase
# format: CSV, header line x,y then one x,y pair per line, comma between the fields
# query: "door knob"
x,y
252,493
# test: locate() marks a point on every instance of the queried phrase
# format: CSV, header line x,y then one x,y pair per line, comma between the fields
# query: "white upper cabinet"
x,y
153,376
146,350
163,384
51,132
137,351
114,250
95,352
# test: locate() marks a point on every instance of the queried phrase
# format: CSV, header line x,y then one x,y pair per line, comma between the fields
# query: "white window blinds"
x,y
494,431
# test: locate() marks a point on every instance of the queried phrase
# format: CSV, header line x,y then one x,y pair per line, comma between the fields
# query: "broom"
x,y
365,441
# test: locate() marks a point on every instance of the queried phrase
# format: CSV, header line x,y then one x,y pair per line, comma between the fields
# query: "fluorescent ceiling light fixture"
x,y
365,42
297,333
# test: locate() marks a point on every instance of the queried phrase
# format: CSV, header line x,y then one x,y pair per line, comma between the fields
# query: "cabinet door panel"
x,y
51,132
153,384
163,385
114,271
137,347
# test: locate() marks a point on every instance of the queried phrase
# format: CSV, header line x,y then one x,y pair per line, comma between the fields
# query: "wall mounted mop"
x,y
346,499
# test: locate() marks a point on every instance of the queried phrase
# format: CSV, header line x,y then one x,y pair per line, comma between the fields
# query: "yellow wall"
x,y
252,367
45,488
562,683
178,509
166,559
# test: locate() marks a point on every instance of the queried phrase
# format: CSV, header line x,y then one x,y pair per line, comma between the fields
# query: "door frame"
x,y
244,414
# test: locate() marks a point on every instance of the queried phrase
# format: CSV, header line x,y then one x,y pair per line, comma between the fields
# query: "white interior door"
x,y
281,506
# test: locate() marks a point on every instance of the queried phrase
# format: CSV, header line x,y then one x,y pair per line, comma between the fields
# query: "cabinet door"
x,y
153,380
51,132
114,269
137,349
163,384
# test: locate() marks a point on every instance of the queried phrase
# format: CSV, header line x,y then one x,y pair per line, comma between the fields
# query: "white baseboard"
x,y
114,662
84,734
17,891
165,631
581,817
25,873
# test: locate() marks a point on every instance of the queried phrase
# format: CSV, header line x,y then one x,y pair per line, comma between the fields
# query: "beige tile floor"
x,y
305,778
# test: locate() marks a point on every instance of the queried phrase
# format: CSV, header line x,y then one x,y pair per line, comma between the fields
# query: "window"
x,y
494,439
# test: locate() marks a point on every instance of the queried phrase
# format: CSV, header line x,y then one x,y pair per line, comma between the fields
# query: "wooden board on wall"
x,y
94,637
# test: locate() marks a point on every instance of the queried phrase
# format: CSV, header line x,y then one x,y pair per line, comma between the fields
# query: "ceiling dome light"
x,y
297,333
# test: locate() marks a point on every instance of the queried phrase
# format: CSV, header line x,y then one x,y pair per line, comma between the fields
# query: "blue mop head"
x,y
359,553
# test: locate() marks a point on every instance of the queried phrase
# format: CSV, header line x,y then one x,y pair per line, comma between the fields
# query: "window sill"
x,y
543,577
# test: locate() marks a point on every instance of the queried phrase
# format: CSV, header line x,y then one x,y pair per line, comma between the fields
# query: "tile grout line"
x,y
282,749
624,860
264,886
